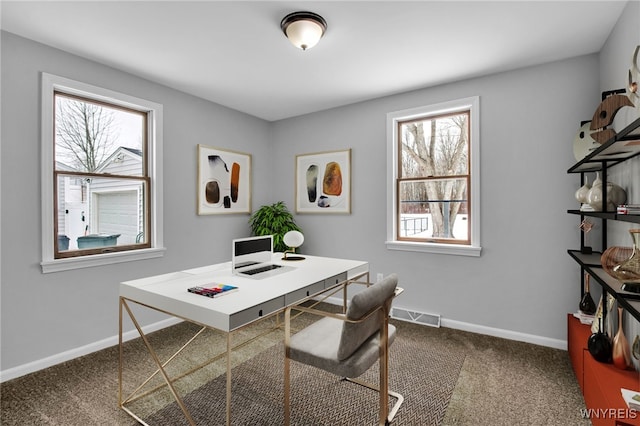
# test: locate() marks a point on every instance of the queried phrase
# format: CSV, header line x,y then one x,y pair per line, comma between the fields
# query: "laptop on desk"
x,y
251,258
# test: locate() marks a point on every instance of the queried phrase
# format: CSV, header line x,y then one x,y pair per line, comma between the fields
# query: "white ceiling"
x,y
234,53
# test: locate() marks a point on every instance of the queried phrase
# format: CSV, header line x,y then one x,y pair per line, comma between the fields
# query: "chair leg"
x,y
384,369
399,398
384,372
287,408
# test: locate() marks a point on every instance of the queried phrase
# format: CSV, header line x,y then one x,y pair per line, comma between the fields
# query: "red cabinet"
x,y
600,383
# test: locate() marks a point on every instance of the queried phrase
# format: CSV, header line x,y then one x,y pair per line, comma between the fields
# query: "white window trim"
x,y
474,249
52,82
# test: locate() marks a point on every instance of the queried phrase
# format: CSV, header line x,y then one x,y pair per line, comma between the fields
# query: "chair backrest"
x,y
355,334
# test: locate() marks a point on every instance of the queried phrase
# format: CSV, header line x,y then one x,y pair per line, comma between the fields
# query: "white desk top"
x,y
168,292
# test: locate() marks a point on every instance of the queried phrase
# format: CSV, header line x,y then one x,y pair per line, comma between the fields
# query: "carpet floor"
x,y
482,380
319,398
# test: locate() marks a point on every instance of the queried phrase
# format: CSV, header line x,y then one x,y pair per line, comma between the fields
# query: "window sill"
x,y
456,250
67,264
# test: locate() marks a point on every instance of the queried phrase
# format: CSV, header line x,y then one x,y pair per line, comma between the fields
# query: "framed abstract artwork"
x,y
224,181
323,182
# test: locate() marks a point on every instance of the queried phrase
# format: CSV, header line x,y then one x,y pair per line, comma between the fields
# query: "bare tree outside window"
x,y
85,133
433,183
101,187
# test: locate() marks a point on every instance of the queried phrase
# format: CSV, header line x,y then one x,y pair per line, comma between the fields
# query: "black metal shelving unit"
x,y
622,147
590,263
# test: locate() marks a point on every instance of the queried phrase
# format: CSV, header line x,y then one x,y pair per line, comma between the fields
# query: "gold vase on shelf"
x,y
621,351
614,256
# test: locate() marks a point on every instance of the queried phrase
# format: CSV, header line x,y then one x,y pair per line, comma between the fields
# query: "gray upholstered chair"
x,y
348,344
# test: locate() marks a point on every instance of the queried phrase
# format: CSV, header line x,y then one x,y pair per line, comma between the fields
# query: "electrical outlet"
x,y
379,276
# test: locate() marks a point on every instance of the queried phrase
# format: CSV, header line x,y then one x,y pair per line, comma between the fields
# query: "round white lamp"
x,y
293,240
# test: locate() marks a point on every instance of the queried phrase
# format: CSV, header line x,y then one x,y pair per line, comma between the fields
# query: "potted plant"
x,y
274,219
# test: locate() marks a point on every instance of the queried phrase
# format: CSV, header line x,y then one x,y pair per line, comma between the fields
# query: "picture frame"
x,y
224,181
323,182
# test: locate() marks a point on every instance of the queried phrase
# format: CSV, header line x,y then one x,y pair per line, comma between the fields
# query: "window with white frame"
x,y
433,178
101,176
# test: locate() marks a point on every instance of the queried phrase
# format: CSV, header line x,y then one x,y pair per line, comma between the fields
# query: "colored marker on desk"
x,y
217,290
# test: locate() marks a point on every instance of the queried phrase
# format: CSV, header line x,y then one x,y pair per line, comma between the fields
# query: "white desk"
x,y
256,299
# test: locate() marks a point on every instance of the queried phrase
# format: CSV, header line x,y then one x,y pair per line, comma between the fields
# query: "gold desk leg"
x,y
344,298
287,366
120,352
158,363
229,349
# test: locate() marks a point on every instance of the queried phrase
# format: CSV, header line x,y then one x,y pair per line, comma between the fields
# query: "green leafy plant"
x,y
274,219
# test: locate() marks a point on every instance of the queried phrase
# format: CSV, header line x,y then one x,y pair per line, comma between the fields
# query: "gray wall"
x,y
524,282
521,287
47,314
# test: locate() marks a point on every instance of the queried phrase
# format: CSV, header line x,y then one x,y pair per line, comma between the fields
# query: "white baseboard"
x,y
52,360
491,331
505,334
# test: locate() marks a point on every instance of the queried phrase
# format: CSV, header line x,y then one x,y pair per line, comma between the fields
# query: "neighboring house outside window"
x,y
433,178
102,178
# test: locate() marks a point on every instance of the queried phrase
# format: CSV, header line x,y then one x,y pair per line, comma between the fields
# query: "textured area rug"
x,y
425,377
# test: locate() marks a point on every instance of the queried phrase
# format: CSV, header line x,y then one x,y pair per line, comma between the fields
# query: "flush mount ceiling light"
x,y
303,29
